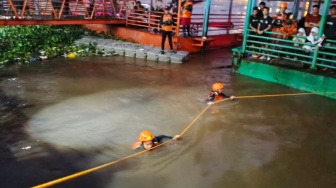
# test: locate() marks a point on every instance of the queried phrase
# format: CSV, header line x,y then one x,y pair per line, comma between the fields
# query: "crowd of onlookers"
x,y
305,32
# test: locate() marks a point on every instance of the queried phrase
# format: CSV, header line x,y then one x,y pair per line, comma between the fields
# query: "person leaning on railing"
x,y
139,11
314,40
312,20
173,5
300,38
278,20
330,33
158,6
138,8
157,10
254,22
288,29
262,5
187,8
265,24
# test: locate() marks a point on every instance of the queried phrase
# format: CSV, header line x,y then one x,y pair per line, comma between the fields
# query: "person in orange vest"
x,y
166,22
278,20
217,93
147,141
187,7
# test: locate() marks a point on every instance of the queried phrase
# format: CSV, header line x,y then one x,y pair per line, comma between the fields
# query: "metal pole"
x,y
178,17
229,18
254,3
321,31
304,8
309,6
206,18
295,9
246,24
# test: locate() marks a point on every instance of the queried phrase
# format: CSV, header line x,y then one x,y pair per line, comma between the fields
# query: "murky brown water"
x,y
77,114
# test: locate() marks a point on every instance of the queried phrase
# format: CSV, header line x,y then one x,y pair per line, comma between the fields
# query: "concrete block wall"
x,y
133,50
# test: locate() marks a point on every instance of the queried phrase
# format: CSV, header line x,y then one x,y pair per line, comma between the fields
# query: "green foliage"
x,y
23,43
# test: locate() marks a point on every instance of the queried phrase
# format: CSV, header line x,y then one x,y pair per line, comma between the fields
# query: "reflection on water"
x,y
86,112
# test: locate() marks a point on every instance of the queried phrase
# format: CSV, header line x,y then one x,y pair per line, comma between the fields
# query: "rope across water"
x,y
81,173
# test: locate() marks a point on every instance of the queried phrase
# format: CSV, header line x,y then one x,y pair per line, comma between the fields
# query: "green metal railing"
x,y
321,57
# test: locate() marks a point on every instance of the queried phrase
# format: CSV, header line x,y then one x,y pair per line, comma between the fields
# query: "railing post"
x,y
178,18
254,3
93,9
321,31
229,18
309,6
246,24
24,8
295,9
206,18
149,20
304,8
13,8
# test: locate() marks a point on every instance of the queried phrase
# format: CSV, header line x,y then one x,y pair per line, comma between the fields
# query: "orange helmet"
x,y
145,136
283,5
217,86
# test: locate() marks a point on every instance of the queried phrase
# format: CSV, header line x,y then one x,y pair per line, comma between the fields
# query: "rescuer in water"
x,y
217,93
146,140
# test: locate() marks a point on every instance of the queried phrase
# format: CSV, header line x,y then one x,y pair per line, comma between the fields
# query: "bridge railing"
x,y
300,52
58,9
218,23
148,20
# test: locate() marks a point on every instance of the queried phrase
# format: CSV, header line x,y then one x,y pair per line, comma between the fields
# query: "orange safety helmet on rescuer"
x,y
145,136
283,5
217,86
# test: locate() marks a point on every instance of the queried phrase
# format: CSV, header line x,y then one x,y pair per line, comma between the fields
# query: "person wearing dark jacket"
x,y
147,141
217,93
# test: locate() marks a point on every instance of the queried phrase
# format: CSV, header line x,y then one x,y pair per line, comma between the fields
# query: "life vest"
x,y
216,97
187,9
168,22
279,19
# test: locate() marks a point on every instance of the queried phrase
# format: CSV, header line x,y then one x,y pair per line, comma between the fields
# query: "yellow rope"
x,y
199,115
72,176
60,180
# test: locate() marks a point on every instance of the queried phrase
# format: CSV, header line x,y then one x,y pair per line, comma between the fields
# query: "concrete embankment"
x,y
133,50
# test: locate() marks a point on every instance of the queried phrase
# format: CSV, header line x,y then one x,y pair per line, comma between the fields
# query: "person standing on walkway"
x,y
330,32
187,7
262,5
166,22
312,20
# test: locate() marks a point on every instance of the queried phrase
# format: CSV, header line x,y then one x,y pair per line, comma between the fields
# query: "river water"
x,y
63,116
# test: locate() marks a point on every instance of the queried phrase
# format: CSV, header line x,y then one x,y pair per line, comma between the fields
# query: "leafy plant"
x,y
24,43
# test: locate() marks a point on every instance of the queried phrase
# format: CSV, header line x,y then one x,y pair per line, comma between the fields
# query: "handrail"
x,y
323,58
47,9
217,22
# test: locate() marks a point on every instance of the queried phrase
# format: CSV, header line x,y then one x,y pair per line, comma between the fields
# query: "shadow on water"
x,y
22,156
